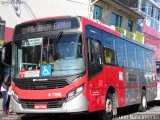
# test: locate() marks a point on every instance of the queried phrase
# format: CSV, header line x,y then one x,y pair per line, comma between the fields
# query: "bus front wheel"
x,y
107,114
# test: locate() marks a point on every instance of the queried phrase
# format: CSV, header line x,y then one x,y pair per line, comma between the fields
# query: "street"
x,y
128,113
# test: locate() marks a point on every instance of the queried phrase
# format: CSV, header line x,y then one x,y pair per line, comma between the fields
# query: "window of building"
x,y
152,11
158,16
97,13
129,25
116,19
156,12
142,5
148,8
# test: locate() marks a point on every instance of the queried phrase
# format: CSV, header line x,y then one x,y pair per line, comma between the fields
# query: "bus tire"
x,y
107,114
143,104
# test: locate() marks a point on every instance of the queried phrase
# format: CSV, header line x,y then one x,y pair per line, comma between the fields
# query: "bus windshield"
x,y
64,55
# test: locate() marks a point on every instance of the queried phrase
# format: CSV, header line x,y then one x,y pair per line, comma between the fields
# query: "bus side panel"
x,y
96,92
133,90
151,93
152,86
114,76
121,97
136,80
99,85
158,90
157,77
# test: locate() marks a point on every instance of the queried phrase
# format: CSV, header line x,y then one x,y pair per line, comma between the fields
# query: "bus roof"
x,y
113,32
45,18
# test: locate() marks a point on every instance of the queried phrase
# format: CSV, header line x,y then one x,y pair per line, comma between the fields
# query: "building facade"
x,y
150,9
138,19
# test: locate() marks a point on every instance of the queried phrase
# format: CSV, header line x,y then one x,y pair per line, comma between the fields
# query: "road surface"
x,y
129,113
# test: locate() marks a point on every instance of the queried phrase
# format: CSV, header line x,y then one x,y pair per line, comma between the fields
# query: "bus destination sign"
x,y
42,26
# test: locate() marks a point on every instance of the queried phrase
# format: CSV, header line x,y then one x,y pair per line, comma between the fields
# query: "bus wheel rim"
x,y
108,106
144,101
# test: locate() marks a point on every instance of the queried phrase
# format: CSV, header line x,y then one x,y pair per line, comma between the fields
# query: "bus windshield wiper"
x,y
59,35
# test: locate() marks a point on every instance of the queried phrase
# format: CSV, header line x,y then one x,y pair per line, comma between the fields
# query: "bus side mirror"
x,y
6,56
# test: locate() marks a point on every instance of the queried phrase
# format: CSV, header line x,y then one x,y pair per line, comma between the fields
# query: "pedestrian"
x,y
6,84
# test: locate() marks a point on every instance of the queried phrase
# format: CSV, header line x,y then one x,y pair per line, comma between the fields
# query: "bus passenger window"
x,y
109,56
95,55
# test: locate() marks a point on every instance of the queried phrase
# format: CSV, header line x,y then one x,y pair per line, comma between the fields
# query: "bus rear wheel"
x,y
143,104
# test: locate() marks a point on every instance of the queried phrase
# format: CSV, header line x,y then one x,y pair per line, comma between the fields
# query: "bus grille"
x,y
41,85
50,103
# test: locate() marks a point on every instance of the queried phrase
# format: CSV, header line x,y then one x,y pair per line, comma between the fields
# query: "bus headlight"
x,y
15,96
75,92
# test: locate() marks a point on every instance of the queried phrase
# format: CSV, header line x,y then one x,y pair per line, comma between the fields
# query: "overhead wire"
x,y
16,7
30,10
8,13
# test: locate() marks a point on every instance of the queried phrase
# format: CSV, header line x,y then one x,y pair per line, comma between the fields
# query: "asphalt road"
x,y
128,113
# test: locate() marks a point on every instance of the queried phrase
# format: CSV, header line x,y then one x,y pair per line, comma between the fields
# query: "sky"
x,y
30,9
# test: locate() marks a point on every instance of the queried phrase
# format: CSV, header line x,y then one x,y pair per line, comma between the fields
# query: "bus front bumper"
x,y
75,105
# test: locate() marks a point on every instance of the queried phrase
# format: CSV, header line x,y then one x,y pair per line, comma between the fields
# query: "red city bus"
x,y
72,65
158,80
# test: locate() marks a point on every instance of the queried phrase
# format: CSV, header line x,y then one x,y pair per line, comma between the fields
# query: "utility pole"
x,y
2,31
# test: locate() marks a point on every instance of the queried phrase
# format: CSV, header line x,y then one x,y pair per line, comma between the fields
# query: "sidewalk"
x,y
1,104
11,116
1,111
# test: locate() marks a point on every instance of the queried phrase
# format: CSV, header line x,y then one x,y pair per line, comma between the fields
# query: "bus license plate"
x,y
40,106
